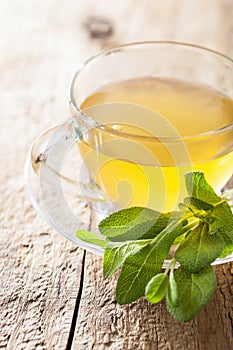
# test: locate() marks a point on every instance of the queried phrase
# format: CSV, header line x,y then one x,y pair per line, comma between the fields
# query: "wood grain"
x,y
39,270
103,324
41,45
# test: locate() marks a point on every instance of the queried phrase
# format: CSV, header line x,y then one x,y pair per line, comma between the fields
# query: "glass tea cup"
x,y
131,154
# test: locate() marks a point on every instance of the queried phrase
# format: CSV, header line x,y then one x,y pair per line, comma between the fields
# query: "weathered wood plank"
x,y
207,23
39,270
39,277
103,324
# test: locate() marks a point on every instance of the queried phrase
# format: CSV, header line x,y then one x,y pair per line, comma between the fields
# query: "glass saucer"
x,y
66,213
68,209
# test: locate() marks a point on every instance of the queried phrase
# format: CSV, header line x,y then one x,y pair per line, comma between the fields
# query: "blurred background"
x,y
43,42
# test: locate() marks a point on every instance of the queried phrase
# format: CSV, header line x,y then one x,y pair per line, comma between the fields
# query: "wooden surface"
x,y
52,294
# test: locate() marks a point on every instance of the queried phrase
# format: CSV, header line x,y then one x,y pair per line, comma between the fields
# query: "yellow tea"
x,y
133,166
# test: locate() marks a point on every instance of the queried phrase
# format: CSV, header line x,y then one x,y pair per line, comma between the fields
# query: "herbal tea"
x,y
132,165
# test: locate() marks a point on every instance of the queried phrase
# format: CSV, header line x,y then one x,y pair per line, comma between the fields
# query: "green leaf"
x,y
223,224
157,287
115,254
134,223
193,292
228,246
222,219
198,188
180,239
90,237
172,289
199,249
228,250
196,204
139,268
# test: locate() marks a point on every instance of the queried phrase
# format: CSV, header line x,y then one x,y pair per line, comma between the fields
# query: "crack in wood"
x,y
77,305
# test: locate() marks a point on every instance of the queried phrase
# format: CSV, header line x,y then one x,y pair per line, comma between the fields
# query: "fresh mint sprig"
x,y
139,240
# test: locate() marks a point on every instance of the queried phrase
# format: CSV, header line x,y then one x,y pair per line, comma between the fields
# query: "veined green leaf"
x,y
198,188
228,245
222,219
90,237
134,223
193,292
223,224
197,204
228,250
172,289
156,288
199,249
139,268
115,254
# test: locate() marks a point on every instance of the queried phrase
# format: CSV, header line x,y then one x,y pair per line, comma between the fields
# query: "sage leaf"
x,y
222,219
139,268
223,223
228,245
199,249
193,292
156,288
134,223
90,237
195,204
172,289
198,188
228,250
115,254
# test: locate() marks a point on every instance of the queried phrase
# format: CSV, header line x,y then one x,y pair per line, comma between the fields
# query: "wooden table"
x,y
52,293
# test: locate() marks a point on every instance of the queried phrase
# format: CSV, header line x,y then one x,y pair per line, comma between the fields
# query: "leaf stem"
x,y
171,266
193,223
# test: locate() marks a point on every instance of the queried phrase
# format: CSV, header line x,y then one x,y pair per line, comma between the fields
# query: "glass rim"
x,y
79,112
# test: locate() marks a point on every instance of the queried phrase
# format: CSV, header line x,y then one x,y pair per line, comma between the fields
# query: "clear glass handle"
x,y
51,139
49,152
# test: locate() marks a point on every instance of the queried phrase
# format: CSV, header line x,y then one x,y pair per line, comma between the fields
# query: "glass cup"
x,y
144,166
